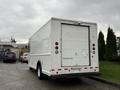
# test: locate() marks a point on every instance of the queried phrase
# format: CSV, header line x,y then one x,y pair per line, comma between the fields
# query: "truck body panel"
x,y
65,47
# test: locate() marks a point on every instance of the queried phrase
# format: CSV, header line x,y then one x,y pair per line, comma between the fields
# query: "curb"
x,y
105,81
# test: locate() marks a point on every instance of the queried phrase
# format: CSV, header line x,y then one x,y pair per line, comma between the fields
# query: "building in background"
x,y
22,48
118,46
19,49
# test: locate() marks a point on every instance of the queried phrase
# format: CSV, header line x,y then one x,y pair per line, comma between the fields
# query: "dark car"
x,y
9,57
2,55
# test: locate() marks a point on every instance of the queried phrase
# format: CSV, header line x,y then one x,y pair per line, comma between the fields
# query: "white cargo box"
x,y
65,48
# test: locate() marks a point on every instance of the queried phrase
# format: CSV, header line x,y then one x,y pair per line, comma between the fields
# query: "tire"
x,y
39,72
4,61
30,68
27,62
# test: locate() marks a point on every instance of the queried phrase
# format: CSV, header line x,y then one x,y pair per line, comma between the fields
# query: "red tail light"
x,y
52,69
93,48
66,69
56,43
93,44
56,47
59,69
91,67
85,68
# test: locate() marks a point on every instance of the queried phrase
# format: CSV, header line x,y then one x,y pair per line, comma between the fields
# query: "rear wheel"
x,y
30,68
39,72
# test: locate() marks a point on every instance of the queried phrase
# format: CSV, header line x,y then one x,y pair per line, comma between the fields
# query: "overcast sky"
x,y
21,18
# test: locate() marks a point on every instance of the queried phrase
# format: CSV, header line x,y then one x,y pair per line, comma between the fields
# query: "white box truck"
x,y
64,48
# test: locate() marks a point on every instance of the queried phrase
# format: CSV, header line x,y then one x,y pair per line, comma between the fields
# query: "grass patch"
x,y
110,71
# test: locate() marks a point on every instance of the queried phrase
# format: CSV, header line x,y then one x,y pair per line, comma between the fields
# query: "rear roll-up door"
x,y
75,45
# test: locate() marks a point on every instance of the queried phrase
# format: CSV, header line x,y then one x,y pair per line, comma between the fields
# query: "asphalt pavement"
x,y
17,76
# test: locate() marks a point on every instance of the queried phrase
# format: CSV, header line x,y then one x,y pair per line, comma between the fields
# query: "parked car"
x,y
9,57
2,55
24,57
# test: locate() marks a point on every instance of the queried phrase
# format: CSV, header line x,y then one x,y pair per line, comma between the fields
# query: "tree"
x,y
101,46
111,48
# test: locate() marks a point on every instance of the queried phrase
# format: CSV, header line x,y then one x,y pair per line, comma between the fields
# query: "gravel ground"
x,y
16,76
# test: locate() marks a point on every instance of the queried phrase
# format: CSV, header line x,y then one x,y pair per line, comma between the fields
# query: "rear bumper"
x,y
75,75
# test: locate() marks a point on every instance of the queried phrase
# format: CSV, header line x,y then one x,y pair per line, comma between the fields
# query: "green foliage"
x,y
101,46
115,58
110,71
23,50
111,48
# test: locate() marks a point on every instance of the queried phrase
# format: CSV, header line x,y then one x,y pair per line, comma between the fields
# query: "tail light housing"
x,y
93,44
93,48
56,47
56,43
